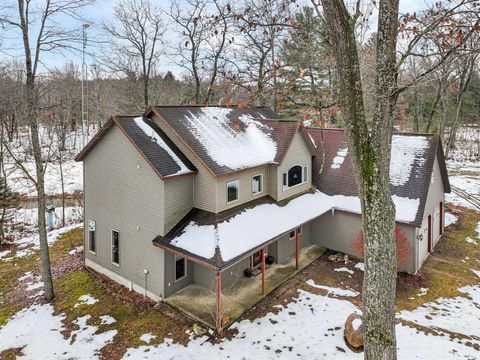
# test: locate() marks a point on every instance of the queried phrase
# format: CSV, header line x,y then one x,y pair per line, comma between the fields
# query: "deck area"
x,y
199,302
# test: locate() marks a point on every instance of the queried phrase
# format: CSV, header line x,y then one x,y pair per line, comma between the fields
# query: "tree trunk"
x,y
370,153
31,118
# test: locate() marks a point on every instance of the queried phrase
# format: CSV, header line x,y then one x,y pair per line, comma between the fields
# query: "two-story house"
x,y
198,195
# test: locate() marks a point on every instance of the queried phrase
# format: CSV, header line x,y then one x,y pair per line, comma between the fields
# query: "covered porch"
x,y
218,306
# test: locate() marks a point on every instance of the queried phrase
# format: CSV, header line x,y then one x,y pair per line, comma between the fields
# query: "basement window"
x,y
180,268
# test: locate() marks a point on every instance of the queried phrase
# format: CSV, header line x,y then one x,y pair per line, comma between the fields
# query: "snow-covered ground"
x,y
309,327
72,171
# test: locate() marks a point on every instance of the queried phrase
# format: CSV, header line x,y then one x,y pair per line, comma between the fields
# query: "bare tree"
x,y
48,36
370,149
137,35
204,36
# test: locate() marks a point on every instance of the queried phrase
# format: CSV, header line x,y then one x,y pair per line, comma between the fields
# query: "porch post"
x,y
297,248
264,255
219,301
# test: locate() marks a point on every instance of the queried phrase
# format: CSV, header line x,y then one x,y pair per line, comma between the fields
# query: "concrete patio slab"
x,y
199,302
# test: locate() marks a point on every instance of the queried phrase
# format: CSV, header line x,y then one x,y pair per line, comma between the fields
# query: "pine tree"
x,y
9,201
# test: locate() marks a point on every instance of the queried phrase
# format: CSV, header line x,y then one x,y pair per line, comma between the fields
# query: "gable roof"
x,y
230,139
158,150
411,166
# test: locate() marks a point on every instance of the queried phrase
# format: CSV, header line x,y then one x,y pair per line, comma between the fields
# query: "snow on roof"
x,y
406,151
249,146
339,159
149,131
406,209
250,228
255,226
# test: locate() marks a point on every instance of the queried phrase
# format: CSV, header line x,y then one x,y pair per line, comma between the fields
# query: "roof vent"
x,y
153,138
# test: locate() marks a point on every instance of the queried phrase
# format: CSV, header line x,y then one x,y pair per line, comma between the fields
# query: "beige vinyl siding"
x,y
435,196
273,181
231,276
287,247
122,192
245,191
204,182
171,285
298,154
337,230
178,200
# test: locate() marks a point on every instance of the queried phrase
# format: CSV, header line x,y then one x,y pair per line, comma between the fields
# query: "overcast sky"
x,y
102,11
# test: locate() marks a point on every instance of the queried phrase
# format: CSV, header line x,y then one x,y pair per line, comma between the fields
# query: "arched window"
x,y
294,175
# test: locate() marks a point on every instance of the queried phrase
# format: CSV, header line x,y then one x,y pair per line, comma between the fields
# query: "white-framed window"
x,y
257,184
295,176
115,247
92,245
180,268
233,188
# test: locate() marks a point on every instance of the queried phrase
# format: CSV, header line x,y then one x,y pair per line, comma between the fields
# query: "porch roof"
x,y
220,240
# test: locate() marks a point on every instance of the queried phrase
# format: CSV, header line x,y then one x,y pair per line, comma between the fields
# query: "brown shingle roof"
x,y
160,160
176,117
341,180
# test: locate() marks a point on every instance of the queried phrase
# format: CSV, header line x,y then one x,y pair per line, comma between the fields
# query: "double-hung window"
x,y
257,184
232,191
115,247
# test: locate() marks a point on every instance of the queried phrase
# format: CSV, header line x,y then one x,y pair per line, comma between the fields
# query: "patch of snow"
x,y
344,269
470,241
197,239
107,320
34,286
39,333
407,151
77,250
422,292
149,131
339,158
458,314
226,146
25,276
31,243
476,272
4,253
356,323
450,219
360,266
86,300
147,337
334,291
477,229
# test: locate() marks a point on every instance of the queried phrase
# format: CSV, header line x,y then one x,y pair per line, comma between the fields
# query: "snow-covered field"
x,y
72,171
